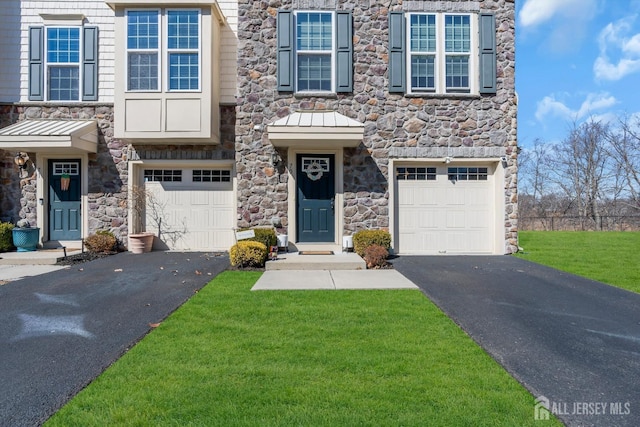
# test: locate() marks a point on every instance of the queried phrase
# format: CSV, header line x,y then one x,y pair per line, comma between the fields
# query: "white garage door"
x,y
190,209
445,210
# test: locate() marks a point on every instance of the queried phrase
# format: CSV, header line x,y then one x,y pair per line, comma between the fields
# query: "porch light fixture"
x,y
275,159
21,160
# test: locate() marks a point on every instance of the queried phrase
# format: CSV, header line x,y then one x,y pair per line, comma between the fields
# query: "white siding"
x,y
228,52
97,13
17,16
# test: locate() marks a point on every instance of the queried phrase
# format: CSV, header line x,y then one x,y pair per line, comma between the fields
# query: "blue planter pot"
x,y
26,239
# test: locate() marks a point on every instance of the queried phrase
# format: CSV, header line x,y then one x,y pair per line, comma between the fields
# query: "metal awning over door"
x,y
63,136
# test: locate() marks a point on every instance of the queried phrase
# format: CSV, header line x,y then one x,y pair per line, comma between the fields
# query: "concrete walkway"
x,y
332,279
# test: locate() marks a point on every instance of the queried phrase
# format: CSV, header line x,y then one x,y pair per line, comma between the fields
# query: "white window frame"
x,y
331,52
441,55
157,51
48,65
167,52
163,51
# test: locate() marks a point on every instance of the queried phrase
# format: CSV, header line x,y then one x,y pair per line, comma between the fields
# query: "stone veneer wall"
x,y
108,171
395,125
107,192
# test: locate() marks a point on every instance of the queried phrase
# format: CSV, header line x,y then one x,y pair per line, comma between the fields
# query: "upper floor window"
x,y
143,58
440,57
63,63
181,41
442,53
315,51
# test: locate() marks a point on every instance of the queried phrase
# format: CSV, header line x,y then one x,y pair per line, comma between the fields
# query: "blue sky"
x,y
575,59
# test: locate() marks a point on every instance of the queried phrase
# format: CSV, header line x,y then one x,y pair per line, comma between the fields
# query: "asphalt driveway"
x,y
570,341
60,330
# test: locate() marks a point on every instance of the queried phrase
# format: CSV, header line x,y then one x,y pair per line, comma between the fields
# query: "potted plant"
x,y
140,241
25,237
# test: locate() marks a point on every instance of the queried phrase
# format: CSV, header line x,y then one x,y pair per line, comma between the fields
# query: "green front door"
x,y
316,197
64,200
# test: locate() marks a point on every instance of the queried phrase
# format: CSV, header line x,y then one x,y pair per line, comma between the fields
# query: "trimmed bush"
x,y
6,238
375,256
365,238
266,236
101,242
247,253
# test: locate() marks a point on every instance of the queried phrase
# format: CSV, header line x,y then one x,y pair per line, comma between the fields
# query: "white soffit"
x,y
329,128
64,136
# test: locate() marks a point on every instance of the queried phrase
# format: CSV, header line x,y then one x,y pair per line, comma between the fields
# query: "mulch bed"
x,y
83,257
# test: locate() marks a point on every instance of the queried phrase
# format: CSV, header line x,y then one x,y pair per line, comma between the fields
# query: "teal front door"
x,y
316,198
64,200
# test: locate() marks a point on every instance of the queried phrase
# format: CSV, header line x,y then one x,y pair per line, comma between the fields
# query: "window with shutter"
x,y
63,63
315,51
437,53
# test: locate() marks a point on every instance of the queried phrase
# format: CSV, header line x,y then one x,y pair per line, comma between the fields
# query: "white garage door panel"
x,y
195,216
438,216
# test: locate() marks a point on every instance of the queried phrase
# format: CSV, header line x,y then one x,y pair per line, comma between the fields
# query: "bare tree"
x,y
582,168
624,146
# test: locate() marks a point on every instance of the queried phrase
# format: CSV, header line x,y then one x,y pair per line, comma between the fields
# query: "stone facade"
x,y
396,125
108,171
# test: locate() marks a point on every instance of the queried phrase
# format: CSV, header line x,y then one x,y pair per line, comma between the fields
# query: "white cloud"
x,y
618,40
563,24
550,106
535,12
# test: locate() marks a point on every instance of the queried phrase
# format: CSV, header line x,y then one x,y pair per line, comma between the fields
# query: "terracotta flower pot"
x,y
141,242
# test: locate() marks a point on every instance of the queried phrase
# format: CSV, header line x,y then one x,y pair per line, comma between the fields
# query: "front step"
x,y
38,257
295,261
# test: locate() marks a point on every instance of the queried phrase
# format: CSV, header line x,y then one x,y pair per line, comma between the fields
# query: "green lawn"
x,y
231,357
608,256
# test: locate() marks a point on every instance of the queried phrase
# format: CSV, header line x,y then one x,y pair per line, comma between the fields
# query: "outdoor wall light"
x,y
275,159
21,160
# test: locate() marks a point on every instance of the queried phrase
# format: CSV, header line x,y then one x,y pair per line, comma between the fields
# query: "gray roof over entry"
x,y
327,128
63,136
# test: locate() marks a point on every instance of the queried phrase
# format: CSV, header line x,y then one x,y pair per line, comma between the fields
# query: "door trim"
x,y
42,190
292,154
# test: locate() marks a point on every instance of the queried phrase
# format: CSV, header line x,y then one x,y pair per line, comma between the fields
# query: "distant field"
x,y
609,256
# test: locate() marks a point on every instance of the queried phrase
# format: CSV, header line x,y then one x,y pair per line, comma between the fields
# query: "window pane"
x,y
457,33
457,72
423,72
143,71
182,29
64,83
63,45
314,72
313,31
423,33
142,29
183,71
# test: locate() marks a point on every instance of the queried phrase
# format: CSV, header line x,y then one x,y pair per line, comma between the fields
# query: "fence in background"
x,y
575,223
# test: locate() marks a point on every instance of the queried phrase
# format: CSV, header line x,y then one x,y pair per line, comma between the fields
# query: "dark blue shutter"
x,y
487,53
36,64
397,62
344,51
90,64
286,51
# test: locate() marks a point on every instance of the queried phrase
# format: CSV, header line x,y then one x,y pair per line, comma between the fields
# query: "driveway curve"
x,y
572,342
60,330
